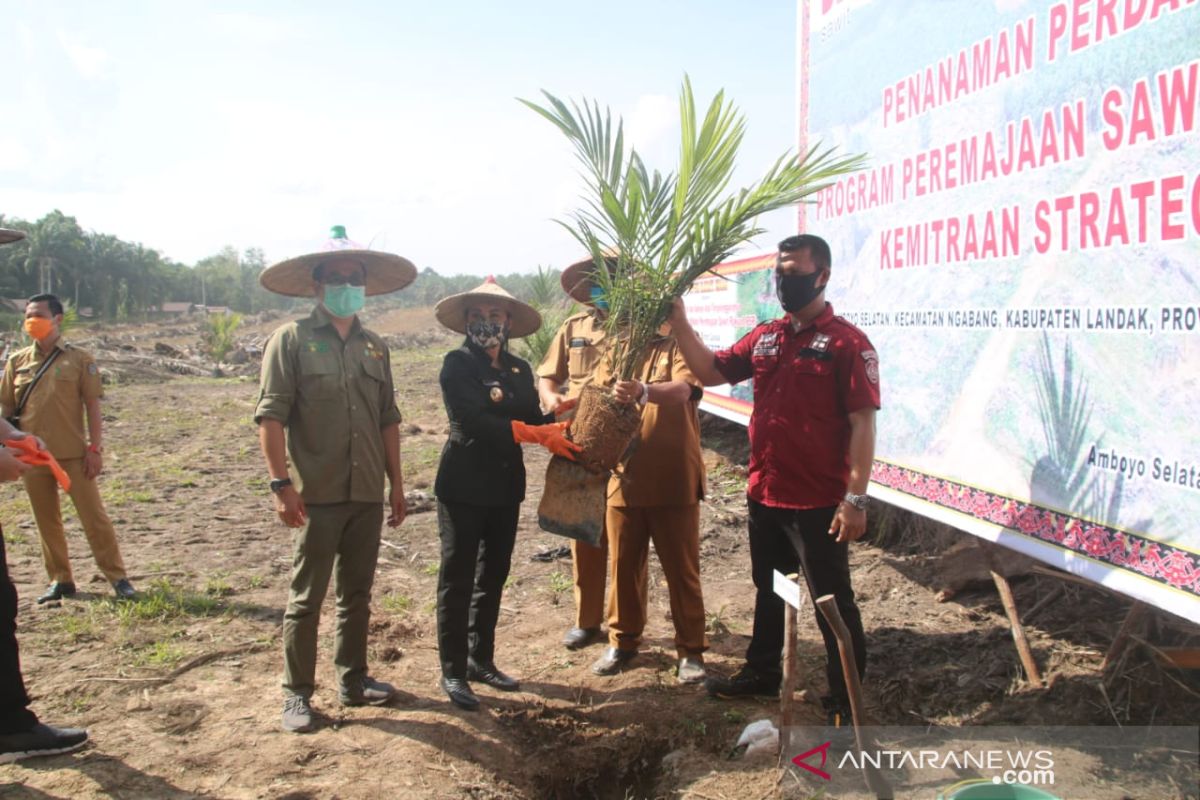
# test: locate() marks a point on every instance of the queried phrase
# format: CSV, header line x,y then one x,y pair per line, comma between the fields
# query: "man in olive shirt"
x,y
327,385
655,497
52,407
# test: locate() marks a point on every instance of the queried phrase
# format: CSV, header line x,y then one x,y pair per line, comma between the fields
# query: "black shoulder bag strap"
x,y
15,419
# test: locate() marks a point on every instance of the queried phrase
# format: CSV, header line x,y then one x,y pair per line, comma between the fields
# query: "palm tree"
x,y
667,230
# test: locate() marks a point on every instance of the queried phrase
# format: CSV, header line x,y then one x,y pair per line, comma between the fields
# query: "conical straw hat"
x,y
577,280
452,311
294,277
8,235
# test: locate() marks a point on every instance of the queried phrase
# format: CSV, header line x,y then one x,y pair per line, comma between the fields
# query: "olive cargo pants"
x,y
339,540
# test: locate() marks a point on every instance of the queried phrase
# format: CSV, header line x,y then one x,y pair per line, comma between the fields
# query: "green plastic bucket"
x,y
986,790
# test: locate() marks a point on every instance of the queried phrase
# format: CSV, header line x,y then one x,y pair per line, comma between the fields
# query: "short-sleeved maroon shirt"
x,y
806,384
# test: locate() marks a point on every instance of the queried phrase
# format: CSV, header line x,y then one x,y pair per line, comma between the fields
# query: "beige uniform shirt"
x,y
54,411
666,467
574,352
333,398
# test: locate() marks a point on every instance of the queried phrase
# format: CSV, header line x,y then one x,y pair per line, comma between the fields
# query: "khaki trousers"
x,y
342,540
590,568
675,531
97,527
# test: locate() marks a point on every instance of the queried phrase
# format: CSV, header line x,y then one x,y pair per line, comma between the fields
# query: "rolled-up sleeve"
x,y
277,387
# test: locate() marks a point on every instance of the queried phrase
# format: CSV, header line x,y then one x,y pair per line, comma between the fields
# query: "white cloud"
x,y
261,29
90,62
652,127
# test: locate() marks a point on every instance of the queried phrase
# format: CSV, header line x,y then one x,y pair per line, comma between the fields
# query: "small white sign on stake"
x,y
789,590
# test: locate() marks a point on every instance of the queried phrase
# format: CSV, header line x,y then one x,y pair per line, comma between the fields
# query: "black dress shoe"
x,y
487,673
610,663
460,693
40,740
57,591
580,637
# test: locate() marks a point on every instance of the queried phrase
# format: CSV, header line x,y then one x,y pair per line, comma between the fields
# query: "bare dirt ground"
x,y
180,690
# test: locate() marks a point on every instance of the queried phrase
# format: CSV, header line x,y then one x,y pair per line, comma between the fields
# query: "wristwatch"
x,y
277,484
859,501
644,397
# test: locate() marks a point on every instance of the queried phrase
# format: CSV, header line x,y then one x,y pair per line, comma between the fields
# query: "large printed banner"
x,y
1024,252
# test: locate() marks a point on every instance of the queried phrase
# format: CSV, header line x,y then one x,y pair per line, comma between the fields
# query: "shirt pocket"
x,y
64,372
579,359
815,385
373,369
660,371
765,364
320,377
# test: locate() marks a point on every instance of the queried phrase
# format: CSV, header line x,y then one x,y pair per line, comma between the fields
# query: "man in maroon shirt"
x,y
812,443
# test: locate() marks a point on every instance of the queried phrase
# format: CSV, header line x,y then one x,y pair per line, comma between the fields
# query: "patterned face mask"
x,y
485,334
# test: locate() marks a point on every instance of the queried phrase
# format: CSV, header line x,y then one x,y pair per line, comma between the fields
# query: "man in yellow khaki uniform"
x,y
655,496
47,387
568,366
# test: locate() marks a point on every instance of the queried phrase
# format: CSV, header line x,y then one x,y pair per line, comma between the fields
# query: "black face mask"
x,y
797,291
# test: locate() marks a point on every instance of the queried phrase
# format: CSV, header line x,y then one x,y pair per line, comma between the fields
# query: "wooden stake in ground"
x,y
1128,627
1018,632
788,588
827,605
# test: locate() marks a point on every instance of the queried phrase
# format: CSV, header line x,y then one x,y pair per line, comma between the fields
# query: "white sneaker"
x,y
297,714
691,669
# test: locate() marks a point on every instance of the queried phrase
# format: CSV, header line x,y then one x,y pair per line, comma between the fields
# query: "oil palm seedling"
x,y
652,234
658,232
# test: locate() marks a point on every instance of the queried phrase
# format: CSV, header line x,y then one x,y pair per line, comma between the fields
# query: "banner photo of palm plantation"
x,y
1023,249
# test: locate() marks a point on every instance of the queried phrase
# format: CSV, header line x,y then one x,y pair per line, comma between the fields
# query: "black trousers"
x,y
477,545
15,715
787,540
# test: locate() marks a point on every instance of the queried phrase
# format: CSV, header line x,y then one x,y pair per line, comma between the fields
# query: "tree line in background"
x,y
113,279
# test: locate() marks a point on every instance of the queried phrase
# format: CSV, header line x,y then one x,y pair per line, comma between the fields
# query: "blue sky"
x,y
188,127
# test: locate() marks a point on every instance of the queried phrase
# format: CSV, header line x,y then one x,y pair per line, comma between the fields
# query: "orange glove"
x,y
548,436
28,451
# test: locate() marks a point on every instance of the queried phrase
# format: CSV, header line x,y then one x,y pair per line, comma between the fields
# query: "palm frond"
x,y
667,229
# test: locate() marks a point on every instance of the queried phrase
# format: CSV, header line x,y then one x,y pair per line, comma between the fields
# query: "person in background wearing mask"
x,y
568,366
812,444
492,406
21,734
326,390
46,390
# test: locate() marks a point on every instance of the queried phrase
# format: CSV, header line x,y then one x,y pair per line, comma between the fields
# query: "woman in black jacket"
x,y
492,405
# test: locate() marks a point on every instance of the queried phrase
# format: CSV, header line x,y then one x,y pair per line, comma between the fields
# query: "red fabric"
x,y
27,450
806,384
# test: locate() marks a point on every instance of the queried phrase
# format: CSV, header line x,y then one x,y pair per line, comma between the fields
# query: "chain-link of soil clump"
x,y
603,428
567,756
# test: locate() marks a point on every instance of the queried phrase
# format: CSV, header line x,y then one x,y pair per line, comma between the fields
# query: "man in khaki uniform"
x,y
572,357
327,393
655,496
54,411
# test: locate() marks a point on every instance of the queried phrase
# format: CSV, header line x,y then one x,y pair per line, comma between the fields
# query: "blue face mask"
x,y
596,295
345,301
